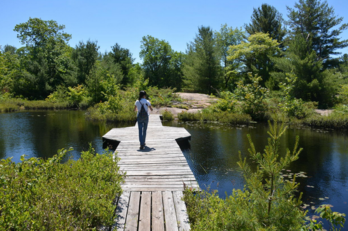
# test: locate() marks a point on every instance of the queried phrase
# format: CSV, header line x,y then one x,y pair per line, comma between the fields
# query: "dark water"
x,y
42,133
213,152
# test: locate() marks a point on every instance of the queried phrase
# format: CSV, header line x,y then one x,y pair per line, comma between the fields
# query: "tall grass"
x,y
222,117
10,105
333,121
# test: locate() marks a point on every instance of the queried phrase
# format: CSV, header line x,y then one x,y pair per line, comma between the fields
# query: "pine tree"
x,y
202,68
317,22
267,19
312,83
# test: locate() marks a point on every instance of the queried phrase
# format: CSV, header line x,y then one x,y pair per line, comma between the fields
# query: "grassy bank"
x,y
38,194
222,117
11,105
332,121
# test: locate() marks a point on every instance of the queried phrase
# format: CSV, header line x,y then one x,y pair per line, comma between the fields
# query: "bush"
x,y
167,115
38,194
162,97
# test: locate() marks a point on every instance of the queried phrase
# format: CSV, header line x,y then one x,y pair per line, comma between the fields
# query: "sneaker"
x,y
142,147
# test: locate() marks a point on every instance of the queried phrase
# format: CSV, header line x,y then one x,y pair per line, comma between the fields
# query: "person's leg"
x,y
145,129
140,127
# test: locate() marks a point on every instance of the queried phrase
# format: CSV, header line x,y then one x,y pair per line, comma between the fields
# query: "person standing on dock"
x,y
142,105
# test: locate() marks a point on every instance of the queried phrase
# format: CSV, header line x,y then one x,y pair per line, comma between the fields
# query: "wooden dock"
x,y
155,178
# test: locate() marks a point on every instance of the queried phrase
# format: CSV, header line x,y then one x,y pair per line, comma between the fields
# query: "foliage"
x,y
252,95
10,105
226,37
45,58
167,115
38,194
317,23
85,56
343,94
162,97
123,57
73,96
291,106
222,117
268,20
312,84
156,55
202,69
267,202
119,107
255,54
335,120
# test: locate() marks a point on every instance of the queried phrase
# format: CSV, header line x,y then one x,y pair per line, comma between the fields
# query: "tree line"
x,y
303,50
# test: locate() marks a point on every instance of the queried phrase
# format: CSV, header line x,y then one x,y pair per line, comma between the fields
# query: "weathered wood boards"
x,y
155,178
156,211
162,158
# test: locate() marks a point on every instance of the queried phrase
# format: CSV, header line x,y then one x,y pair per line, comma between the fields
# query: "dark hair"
x,y
141,94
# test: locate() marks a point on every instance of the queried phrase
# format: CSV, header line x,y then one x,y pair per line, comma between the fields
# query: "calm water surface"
x,y
212,155
42,133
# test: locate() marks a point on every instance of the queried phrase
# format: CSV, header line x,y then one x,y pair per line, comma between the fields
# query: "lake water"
x,y
212,153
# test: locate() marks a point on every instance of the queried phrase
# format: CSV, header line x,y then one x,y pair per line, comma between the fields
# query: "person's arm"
x,y
135,108
151,108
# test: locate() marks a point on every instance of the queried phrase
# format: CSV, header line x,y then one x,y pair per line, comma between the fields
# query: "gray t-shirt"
x,y
145,102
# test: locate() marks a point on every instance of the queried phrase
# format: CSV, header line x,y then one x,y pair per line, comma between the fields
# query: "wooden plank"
x,y
133,212
181,212
169,212
121,211
157,212
145,212
158,173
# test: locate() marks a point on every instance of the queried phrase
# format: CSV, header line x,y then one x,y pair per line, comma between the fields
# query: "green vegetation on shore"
x,y
38,194
267,202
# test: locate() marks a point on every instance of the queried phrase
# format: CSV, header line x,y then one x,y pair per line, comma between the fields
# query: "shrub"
x,y
162,97
167,115
38,194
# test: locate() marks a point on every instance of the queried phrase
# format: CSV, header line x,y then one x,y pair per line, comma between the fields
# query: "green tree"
x,y
312,83
255,54
45,58
123,57
85,56
8,48
156,55
176,75
226,37
317,22
202,68
268,20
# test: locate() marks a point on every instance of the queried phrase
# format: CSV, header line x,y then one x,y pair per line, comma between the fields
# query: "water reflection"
x,y
42,133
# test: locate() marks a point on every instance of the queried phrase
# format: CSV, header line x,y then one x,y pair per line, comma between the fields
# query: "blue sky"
x,y
126,22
